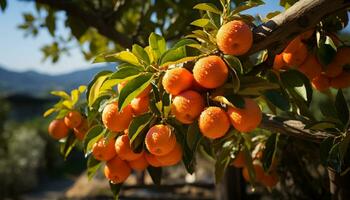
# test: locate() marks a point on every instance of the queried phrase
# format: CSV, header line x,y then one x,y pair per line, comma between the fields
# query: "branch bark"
x,y
302,16
294,128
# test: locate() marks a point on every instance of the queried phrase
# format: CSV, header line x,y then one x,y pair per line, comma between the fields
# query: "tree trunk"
x,y
339,185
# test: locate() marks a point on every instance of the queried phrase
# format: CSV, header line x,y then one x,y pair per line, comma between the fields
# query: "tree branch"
x,y
292,128
303,15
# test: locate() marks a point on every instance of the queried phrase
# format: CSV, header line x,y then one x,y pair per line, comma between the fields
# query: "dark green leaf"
x,y
92,166
342,108
157,44
3,4
299,83
234,63
91,137
223,160
140,53
138,129
326,51
156,174
115,188
67,146
277,99
269,151
184,42
253,85
325,148
246,5
178,55
50,22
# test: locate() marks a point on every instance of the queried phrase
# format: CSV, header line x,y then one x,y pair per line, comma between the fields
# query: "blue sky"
x,y
19,53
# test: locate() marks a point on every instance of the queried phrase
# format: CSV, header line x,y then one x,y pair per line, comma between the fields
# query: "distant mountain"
x,y
38,85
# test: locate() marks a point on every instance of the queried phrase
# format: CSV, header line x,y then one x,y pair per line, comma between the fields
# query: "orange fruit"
x,y
152,160
210,72
270,179
123,149
335,68
245,119
341,81
104,149
139,164
259,173
187,106
73,119
171,158
144,93
114,120
239,160
140,105
58,129
234,38
311,67
295,53
160,140
320,83
117,170
213,122
307,34
177,80
81,130
278,62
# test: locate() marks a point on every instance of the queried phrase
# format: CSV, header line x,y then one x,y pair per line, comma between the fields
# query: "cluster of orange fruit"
x,y
296,55
268,179
59,128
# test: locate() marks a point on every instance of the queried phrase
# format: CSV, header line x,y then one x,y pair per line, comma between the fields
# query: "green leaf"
x,y
133,88
200,22
269,151
49,112
184,42
272,14
299,83
138,129
91,137
127,57
277,99
61,94
50,22
193,138
158,45
246,5
253,85
342,108
92,166
323,125
208,7
140,53
179,55
325,148
326,50
3,4
93,91
67,146
234,63
156,174
115,188
223,160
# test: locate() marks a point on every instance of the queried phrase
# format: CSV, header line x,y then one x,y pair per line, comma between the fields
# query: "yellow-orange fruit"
x,y
117,170
320,83
270,179
187,106
177,80
234,38
259,173
245,119
239,160
335,68
123,149
295,53
278,62
114,120
58,129
171,158
311,67
152,160
73,119
160,140
213,122
104,149
140,105
144,93
307,34
139,164
341,81
210,72
81,130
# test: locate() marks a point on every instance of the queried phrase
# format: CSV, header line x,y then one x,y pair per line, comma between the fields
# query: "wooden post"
x,y
339,185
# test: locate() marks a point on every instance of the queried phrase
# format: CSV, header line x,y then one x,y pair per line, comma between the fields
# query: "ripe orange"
x,y
278,62
58,129
341,81
139,164
114,120
123,149
213,122
81,130
73,119
187,106
234,38
140,105
144,93
295,53
270,179
259,173
160,140
239,161
104,149
245,119
335,68
307,34
210,72
311,67
320,83
177,80
117,170
171,158
152,160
